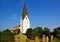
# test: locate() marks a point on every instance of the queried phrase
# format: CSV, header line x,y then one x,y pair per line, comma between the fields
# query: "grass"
x,y
56,40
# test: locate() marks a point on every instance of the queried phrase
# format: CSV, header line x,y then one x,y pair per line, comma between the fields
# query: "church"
x,y
24,25
24,21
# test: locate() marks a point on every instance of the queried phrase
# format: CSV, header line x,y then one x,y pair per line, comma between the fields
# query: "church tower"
x,y
24,21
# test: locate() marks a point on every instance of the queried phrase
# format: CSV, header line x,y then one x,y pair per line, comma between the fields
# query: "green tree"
x,y
0,36
7,36
30,33
56,32
46,31
38,31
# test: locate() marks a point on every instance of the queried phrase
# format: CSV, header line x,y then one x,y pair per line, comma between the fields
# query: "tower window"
x,y
26,18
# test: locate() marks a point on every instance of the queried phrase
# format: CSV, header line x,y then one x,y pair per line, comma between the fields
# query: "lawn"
x,y
56,40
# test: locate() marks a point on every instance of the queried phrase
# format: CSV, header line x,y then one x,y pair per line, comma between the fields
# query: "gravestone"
x,y
47,39
51,38
36,39
43,39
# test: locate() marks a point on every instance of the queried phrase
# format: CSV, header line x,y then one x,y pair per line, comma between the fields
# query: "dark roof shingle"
x,y
24,12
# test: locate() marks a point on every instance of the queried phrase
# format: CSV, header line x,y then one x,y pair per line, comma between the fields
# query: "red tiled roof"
x,y
16,27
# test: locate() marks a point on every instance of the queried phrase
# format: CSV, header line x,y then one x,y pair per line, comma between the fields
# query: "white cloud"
x,y
13,16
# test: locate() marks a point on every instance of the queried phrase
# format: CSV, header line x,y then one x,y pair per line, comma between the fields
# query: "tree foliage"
x,y
56,32
30,33
38,31
46,31
7,36
0,36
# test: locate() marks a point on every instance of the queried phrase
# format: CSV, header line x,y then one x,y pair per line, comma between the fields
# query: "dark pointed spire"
x,y
24,12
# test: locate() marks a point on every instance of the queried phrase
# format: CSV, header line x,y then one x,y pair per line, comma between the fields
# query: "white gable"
x,y
25,24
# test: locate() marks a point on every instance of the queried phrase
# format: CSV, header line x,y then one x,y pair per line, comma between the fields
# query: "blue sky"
x,y
43,13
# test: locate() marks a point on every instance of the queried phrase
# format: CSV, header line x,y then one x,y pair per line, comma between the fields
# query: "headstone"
x,y
47,39
43,39
36,39
51,38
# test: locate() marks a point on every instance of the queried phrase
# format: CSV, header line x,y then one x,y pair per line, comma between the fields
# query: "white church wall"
x,y
26,24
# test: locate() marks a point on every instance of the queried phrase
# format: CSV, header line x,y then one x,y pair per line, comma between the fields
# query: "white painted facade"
x,y
24,24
